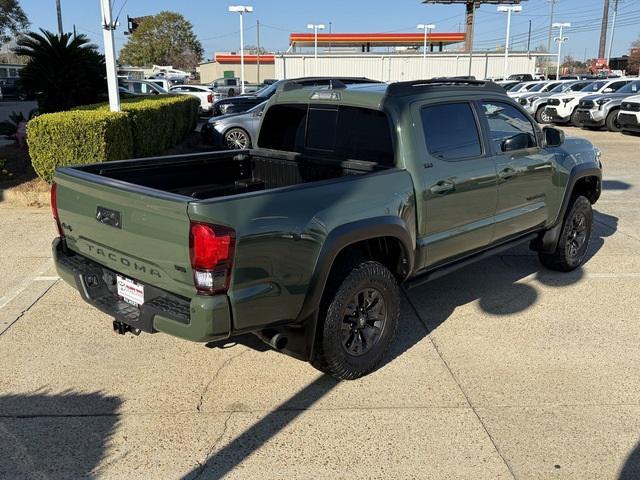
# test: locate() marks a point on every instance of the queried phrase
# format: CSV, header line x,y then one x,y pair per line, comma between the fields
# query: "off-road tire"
x,y
343,287
568,256
540,116
612,122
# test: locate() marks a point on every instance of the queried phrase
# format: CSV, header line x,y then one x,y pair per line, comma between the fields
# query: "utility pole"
x,y
529,40
603,30
258,57
108,26
59,11
553,6
613,30
468,39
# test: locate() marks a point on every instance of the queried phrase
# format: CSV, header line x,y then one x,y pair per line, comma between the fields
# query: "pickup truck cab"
x,y
305,240
563,107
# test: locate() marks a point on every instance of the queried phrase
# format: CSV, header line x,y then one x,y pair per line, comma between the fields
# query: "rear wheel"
x,y
612,122
237,139
361,311
231,93
542,116
574,238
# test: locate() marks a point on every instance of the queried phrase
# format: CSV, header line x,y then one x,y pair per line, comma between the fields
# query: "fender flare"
x,y
348,234
548,241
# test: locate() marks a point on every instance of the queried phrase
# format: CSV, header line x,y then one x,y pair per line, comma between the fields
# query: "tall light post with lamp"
x,y
560,39
315,27
241,9
427,30
508,9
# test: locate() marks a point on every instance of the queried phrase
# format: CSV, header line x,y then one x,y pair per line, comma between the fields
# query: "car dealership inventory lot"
x,y
500,370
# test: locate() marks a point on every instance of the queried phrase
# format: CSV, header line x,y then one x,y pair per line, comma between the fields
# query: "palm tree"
x,y
63,71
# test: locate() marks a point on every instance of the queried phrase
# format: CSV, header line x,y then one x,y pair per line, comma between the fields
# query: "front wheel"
x,y
542,116
360,321
574,238
612,122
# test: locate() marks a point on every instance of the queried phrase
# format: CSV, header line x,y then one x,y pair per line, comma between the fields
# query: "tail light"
x,y
54,207
211,248
210,98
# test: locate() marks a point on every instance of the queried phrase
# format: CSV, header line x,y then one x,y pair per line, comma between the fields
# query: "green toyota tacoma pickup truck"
x,y
304,241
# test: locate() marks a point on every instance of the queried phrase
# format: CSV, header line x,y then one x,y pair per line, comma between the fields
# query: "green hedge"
x,y
146,126
75,138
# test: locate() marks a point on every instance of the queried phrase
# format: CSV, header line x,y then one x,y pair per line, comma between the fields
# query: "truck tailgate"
x,y
143,234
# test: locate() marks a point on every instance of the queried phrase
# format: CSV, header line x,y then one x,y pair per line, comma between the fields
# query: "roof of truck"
x,y
373,95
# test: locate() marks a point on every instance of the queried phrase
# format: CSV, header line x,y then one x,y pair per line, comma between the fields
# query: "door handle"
x,y
507,173
442,187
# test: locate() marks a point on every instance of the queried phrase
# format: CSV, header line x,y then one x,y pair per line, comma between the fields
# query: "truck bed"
x,y
218,174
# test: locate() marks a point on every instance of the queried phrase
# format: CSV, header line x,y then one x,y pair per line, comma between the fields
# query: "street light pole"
x,y
509,10
315,27
560,41
241,9
108,26
427,30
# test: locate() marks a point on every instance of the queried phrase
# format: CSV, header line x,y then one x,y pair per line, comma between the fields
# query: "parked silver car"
x,y
235,131
597,111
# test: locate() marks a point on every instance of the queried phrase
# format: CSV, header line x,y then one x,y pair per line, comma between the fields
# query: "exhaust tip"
x,y
279,341
274,339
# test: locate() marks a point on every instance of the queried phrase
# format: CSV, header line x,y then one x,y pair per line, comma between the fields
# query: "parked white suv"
x,y
206,96
629,116
563,107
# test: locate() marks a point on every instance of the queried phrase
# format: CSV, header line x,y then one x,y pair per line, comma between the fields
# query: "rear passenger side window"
x,y
336,132
451,131
506,121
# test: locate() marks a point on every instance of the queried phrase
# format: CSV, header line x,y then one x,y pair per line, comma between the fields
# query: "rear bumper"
x,y
200,319
211,136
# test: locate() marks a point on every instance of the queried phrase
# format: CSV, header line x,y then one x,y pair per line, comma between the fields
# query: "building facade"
x,y
393,67
256,68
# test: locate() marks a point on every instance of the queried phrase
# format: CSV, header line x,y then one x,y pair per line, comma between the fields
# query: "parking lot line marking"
x,y
8,298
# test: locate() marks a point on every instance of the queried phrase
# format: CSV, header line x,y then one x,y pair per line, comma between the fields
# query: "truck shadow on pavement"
x,y
55,436
499,284
631,468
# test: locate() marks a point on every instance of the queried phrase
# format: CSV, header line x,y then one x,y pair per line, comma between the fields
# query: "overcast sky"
x,y
218,30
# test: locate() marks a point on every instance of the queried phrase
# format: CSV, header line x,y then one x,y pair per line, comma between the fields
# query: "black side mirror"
x,y
553,137
519,141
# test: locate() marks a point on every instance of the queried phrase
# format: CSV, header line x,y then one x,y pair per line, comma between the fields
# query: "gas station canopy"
x,y
368,40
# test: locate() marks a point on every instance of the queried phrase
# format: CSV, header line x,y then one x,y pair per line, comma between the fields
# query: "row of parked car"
x,y
612,103
208,93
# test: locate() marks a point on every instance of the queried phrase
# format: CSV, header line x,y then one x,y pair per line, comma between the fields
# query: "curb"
x,y
11,197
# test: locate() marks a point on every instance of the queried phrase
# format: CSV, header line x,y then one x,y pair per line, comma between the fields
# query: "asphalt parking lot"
x,y
502,370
